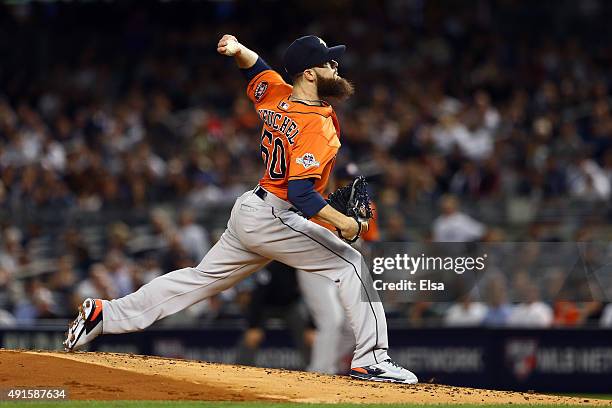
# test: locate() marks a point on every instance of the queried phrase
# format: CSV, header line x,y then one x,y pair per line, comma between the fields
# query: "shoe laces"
x,y
393,363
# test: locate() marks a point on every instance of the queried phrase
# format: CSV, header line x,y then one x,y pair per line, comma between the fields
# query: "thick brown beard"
x,y
338,88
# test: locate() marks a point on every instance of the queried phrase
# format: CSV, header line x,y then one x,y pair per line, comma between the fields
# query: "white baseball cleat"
x,y
86,327
385,371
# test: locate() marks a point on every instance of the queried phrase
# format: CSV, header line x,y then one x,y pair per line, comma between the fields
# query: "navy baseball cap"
x,y
309,51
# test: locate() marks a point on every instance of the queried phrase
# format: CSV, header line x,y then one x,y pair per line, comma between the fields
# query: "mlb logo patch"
x,y
261,89
307,160
283,105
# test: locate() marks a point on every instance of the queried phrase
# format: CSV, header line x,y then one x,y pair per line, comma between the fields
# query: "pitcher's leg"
x,y
223,266
366,316
321,297
310,247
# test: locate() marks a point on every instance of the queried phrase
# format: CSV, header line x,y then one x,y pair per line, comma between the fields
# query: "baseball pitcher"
x,y
299,142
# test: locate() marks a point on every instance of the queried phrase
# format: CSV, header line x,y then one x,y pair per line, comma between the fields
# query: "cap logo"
x,y
322,42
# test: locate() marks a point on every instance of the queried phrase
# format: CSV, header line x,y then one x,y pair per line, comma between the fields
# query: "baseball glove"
x,y
352,200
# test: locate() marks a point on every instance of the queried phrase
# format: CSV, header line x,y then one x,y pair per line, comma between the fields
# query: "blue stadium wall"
x,y
541,360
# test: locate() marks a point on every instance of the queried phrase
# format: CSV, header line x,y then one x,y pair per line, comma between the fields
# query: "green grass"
x,y
204,404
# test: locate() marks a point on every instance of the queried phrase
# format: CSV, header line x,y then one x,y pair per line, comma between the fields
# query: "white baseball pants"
x,y
257,232
334,338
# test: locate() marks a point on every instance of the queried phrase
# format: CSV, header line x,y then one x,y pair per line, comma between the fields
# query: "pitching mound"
x,y
109,376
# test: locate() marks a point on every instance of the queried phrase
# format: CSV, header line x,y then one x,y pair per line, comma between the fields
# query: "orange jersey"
x,y
298,141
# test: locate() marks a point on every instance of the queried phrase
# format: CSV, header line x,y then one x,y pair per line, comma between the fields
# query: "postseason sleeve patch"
x,y
307,160
261,89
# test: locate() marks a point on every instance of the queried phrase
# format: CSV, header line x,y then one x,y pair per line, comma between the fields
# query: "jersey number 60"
x,y
277,167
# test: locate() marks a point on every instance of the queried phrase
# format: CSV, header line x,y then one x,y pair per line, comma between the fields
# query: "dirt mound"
x,y
110,376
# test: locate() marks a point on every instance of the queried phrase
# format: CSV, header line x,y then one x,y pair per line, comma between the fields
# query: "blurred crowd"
x,y
488,101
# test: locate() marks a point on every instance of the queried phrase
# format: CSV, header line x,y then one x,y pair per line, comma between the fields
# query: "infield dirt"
x,y
110,376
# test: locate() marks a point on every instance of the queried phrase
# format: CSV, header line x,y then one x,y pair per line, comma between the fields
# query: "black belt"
x,y
261,193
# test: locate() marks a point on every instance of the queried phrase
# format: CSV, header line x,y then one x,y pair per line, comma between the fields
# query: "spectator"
x,y
453,225
449,131
6,289
73,244
37,304
467,181
147,269
120,272
175,256
588,181
193,237
63,283
118,236
98,285
532,312
567,313
163,227
498,310
396,230
12,250
476,141
465,313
